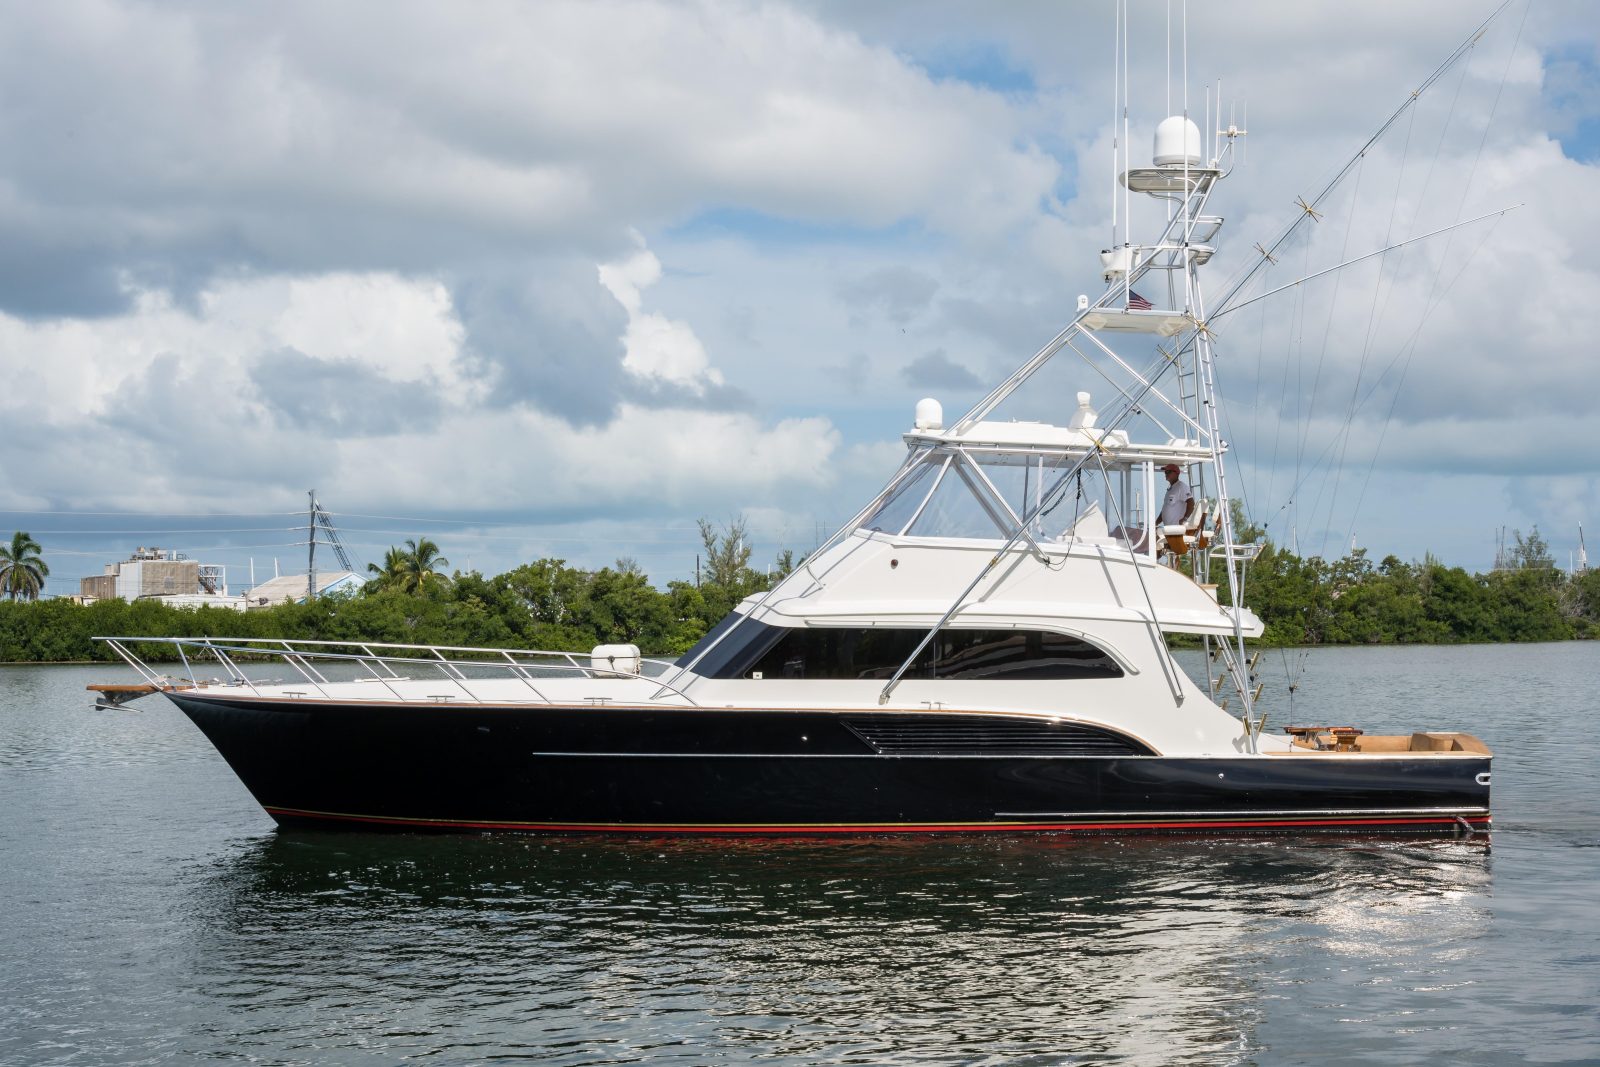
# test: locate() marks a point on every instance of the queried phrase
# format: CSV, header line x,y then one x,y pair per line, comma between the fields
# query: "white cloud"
x,y
362,238
656,348
650,457
315,135
400,329
184,408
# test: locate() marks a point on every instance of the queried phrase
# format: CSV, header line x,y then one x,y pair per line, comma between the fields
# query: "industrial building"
x,y
156,572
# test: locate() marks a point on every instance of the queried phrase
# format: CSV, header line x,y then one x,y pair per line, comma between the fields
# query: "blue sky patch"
x,y
1571,97
768,229
981,64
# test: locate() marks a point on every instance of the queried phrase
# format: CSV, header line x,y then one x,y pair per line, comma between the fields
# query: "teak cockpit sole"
x,y
1417,743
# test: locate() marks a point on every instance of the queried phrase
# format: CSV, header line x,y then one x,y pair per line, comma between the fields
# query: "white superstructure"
x,y
998,523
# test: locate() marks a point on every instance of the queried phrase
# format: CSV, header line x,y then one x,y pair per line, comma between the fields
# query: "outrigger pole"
x,y
1359,259
1309,210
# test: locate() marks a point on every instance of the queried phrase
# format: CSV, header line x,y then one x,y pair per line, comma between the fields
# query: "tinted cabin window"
x,y
731,656
877,652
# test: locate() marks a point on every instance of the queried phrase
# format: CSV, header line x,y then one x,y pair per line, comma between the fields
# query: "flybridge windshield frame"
x,y
983,495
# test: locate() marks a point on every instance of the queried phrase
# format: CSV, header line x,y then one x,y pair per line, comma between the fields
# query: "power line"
x,y
176,530
173,514
506,523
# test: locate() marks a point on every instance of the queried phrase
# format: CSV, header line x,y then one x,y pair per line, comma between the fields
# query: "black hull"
x,y
740,771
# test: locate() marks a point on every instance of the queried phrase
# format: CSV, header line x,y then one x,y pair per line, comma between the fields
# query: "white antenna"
x,y
1116,91
1216,134
1583,554
1167,112
1127,155
252,572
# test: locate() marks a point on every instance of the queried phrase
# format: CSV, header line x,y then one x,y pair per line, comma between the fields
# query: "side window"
x,y
1019,654
877,652
839,652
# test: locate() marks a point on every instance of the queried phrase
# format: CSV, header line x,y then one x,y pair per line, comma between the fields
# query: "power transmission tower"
x,y
318,519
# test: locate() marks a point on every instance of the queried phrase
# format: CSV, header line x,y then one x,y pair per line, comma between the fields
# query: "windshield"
x,y
968,496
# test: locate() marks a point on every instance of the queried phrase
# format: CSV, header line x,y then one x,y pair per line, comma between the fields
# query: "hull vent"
x,y
950,735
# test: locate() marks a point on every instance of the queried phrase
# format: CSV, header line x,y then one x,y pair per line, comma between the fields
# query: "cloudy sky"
x,y
557,279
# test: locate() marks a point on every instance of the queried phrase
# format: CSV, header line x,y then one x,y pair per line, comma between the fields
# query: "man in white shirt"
x,y
1179,504
1177,508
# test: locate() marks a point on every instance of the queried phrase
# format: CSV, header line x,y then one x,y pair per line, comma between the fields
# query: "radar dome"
x,y
1177,143
930,414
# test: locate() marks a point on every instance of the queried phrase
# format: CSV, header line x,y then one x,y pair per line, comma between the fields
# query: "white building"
x,y
292,588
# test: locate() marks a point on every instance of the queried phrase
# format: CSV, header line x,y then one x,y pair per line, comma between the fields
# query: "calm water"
x,y
152,913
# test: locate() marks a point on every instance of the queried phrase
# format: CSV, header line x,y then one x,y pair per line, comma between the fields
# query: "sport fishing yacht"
x,y
984,647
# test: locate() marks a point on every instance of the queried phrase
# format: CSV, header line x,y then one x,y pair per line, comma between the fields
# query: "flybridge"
x,y
1000,479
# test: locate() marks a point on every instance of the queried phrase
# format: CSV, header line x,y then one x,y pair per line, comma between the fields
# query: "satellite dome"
x,y
1177,143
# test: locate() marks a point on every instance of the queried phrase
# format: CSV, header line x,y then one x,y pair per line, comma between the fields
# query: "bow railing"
x,y
457,670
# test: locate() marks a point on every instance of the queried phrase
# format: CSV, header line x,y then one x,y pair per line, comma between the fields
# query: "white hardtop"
x,y
1026,437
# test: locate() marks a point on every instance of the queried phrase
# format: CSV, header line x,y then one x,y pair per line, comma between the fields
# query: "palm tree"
x,y
22,572
421,564
409,569
389,576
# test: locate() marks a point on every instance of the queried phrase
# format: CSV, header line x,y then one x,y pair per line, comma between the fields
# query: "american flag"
x,y
1137,302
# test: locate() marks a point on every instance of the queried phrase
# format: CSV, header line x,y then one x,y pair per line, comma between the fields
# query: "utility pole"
x,y
311,538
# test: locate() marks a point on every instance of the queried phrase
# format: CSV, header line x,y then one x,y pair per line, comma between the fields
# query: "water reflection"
x,y
980,950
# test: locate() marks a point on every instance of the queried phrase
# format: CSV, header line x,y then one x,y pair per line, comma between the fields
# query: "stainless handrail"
x,y
520,664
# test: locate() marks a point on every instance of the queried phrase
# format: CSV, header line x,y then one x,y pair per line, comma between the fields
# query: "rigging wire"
x,y
1444,257
1248,271
1295,316
1327,330
1255,405
1427,183
1408,349
1378,291
1401,356
1342,435
1411,345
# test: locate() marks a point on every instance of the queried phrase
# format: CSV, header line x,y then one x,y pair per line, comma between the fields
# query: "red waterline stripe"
x,y
1476,821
